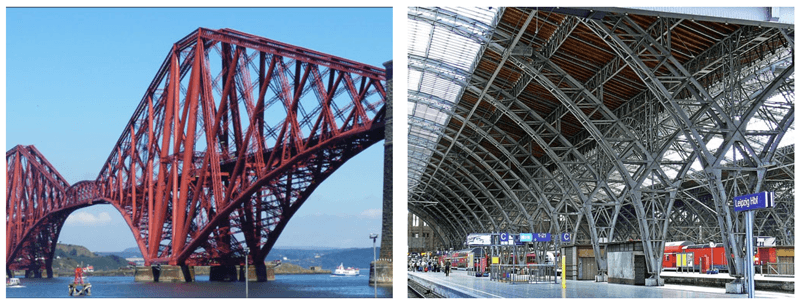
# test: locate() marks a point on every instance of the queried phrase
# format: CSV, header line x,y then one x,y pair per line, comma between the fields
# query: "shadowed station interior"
x,y
600,145
231,137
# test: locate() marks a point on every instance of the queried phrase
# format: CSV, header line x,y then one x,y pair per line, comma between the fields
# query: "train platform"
x,y
461,285
762,282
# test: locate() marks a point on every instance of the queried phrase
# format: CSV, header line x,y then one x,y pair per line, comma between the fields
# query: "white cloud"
x,y
372,214
88,219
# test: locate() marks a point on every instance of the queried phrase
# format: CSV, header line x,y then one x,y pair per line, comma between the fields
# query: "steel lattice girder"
x,y
280,119
35,209
671,154
514,173
699,108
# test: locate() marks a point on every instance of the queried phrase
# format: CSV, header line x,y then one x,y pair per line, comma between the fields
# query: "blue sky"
x,y
75,75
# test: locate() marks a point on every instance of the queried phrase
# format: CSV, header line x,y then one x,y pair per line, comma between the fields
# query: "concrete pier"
x,y
258,273
38,273
164,274
383,273
33,274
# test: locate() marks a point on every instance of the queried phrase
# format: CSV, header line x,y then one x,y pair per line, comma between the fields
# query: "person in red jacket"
x,y
78,274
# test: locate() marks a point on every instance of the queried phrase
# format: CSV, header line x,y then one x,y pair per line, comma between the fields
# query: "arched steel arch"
x,y
642,146
447,238
497,160
571,153
438,194
716,116
231,137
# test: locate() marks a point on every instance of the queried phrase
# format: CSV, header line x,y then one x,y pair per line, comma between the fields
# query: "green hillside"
x,y
67,257
328,259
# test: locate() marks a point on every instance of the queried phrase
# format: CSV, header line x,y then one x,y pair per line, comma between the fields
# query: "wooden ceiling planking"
x,y
581,55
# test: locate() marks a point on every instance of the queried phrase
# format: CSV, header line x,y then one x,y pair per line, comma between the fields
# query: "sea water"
x,y
284,286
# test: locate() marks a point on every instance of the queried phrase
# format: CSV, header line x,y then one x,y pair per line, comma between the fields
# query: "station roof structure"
x,y
608,123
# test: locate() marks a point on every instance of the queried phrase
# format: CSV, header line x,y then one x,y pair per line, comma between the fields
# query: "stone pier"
x,y
383,267
233,273
164,274
33,274
381,274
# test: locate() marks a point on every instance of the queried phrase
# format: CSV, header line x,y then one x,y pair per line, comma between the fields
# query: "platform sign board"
x,y
541,237
566,237
479,239
525,237
517,240
753,201
508,239
748,204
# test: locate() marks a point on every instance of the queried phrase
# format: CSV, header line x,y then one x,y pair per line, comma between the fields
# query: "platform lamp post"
x,y
374,238
246,273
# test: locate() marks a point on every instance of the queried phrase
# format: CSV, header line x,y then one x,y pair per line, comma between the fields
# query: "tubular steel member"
x,y
606,144
231,137
35,211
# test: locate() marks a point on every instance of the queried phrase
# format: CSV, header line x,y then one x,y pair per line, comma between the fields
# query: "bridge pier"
x,y
257,273
234,273
380,271
33,273
224,273
164,274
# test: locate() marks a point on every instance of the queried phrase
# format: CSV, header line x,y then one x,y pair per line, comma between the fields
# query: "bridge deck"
x,y
459,284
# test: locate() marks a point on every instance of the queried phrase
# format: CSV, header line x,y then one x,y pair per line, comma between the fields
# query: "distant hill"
x,y
127,253
328,259
70,256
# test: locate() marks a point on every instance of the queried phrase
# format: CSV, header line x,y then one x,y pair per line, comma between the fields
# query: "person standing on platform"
x,y
447,268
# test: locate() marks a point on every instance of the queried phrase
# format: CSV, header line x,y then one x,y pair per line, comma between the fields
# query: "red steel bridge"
x,y
231,137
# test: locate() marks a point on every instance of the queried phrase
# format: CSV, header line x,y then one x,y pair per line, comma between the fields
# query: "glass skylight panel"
x,y
419,37
442,88
443,46
451,48
414,78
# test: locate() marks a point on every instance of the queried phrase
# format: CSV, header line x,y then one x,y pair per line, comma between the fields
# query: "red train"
x,y
687,255
464,259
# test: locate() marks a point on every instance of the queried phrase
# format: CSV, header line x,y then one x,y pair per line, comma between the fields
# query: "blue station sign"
x,y
525,237
566,237
541,237
753,201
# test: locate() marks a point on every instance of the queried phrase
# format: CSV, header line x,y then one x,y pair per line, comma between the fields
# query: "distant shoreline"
x,y
130,273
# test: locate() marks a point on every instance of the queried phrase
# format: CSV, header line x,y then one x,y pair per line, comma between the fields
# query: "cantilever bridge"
x,y
231,137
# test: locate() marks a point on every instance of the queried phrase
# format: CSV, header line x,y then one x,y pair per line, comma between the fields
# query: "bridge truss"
x,y
231,137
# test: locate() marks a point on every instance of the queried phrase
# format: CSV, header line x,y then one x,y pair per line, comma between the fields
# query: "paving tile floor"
x,y
484,288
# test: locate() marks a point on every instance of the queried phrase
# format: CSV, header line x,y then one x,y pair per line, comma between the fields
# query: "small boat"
x,y
13,283
342,271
